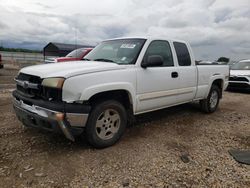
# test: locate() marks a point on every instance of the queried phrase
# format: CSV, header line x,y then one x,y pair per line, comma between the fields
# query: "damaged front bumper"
x,y
70,119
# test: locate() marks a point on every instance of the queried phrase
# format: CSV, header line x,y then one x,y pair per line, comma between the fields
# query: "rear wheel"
x,y
106,124
210,104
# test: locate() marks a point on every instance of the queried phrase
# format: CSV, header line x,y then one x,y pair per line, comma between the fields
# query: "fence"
x,y
22,58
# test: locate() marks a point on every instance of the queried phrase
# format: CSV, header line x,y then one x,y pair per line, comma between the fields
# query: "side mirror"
x,y
152,61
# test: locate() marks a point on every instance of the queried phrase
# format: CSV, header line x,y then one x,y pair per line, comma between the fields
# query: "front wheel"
x,y
106,124
210,104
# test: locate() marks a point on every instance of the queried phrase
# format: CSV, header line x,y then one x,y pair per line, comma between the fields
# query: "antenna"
x,y
76,39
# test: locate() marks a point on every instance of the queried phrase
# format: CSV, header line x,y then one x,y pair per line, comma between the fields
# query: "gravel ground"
x,y
175,147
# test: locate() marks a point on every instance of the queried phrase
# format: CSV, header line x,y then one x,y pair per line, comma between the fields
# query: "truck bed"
x,y
205,73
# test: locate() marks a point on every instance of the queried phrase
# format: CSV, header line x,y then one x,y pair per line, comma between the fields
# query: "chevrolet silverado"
x,y
120,78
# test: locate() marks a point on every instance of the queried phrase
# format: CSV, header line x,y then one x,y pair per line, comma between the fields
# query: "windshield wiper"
x,y
105,60
85,59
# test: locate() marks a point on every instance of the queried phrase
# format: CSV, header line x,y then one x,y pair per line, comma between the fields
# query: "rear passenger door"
x,y
187,73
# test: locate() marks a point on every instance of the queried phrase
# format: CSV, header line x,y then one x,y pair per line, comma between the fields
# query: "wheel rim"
x,y
108,124
214,99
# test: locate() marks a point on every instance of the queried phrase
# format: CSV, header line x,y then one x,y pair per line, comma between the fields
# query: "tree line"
x,y
19,50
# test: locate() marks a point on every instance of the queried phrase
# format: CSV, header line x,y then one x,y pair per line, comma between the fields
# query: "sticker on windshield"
x,y
128,46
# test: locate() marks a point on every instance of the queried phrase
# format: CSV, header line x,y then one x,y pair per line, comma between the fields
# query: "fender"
x,y
216,76
87,93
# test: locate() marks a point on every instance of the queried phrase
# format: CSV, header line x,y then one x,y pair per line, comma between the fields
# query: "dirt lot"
x,y
147,156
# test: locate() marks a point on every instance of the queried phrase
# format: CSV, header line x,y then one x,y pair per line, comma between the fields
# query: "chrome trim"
x,y
239,82
26,84
77,120
159,94
43,112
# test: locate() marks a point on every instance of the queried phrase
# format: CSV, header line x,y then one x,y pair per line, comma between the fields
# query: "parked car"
x,y
75,55
231,63
240,75
1,64
120,78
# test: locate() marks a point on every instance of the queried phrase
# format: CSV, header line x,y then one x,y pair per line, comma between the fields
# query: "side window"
x,y
163,49
182,53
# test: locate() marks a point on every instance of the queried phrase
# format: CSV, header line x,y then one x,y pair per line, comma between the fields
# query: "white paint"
x,y
149,89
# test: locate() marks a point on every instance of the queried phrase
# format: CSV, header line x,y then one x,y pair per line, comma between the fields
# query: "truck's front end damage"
x,y
38,103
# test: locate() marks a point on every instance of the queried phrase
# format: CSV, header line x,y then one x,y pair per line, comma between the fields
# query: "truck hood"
x,y
239,72
69,69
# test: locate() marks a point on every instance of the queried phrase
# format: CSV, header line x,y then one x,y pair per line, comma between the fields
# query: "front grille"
x,y
44,93
30,78
241,79
239,85
29,92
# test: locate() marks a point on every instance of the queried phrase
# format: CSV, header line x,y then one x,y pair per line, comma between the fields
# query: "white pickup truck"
x,y
118,79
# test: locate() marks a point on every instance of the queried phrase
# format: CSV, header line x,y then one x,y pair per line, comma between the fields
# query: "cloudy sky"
x,y
213,27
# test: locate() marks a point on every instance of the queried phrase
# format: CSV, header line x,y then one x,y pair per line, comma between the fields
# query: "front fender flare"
x,y
87,93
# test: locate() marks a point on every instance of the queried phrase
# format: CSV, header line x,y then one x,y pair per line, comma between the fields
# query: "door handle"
x,y
174,74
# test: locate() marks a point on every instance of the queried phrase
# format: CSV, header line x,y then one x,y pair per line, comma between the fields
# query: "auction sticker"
x,y
128,46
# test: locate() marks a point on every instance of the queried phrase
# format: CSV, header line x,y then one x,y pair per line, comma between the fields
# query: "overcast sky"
x,y
213,27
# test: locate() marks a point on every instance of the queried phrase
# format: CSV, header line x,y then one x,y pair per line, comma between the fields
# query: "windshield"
x,y
120,51
241,66
76,53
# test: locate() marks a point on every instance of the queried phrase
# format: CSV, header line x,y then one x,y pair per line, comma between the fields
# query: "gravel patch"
x,y
175,147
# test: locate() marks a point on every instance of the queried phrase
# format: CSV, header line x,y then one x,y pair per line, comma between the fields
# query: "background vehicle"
x,y
240,75
75,55
231,63
124,77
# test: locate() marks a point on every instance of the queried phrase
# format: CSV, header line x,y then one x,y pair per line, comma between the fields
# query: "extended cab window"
x,y
182,53
163,49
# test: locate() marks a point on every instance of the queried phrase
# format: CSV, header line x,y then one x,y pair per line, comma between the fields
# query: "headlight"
x,y
53,82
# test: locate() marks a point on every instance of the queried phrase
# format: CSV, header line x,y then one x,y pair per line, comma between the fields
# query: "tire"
x,y
106,124
210,104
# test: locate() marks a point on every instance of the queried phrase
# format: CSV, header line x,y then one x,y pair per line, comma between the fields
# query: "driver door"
x,y
157,86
